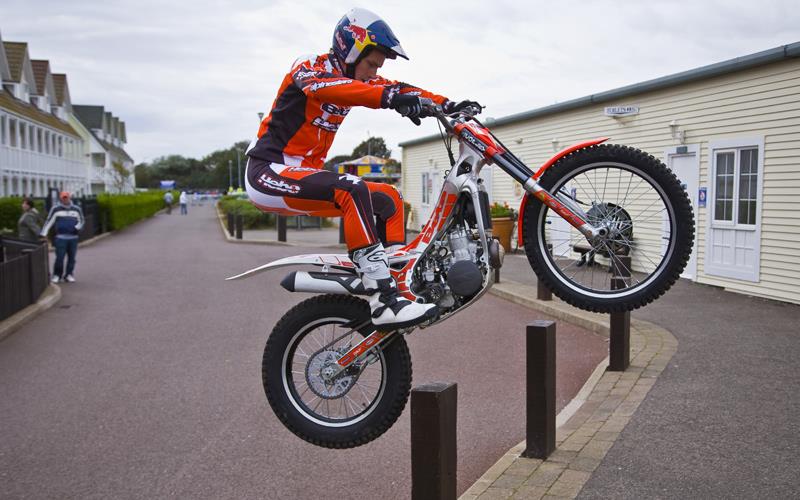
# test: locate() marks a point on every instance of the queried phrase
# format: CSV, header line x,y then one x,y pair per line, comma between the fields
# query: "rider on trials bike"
x,y
284,169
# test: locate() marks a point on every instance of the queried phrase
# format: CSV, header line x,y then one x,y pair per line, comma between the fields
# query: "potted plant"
x,y
503,217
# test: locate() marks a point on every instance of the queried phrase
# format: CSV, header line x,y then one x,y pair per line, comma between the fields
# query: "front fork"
x,y
574,215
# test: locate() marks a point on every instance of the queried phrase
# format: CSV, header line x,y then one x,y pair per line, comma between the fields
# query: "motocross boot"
x,y
389,309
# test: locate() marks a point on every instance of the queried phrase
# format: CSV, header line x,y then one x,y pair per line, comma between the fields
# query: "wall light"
x,y
677,133
554,142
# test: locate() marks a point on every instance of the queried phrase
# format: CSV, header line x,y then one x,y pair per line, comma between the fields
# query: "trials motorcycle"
x,y
336,381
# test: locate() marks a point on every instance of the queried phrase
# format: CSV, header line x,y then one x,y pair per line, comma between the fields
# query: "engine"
x,y
450,273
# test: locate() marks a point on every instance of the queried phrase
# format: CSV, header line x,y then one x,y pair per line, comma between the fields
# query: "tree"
x,y
331,164
120,177
374,146
143,176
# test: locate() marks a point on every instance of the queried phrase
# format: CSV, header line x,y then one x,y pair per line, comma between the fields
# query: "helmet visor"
x,y
381,34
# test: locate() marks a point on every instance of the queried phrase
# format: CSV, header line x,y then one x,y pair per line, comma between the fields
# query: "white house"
x,y
43,144
38,149
104,139
730,131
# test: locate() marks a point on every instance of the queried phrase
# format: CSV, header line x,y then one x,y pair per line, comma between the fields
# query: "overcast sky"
x,y
189,77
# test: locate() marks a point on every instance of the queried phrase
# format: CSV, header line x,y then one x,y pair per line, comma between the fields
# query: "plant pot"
x,y
502,227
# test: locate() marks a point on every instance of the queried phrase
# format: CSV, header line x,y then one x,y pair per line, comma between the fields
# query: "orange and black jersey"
x,y
313,100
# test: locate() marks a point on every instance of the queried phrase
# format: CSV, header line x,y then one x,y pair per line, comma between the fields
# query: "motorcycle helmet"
x,y
360,31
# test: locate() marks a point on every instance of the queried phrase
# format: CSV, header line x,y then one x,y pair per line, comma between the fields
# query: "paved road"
x,y
144,381
722,419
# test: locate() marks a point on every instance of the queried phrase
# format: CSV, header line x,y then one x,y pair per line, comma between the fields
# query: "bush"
x,y
122,210
11,210
252,217
504,210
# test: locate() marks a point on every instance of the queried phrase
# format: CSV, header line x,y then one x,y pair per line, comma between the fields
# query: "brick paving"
x,y
583,441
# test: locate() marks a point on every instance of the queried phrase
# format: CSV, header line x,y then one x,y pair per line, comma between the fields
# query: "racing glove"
x,y
452,106
407,105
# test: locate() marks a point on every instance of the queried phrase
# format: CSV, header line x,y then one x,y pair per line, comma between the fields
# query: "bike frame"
x,y
477,148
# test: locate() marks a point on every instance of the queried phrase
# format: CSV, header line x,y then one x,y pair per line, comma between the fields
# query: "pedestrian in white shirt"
x,y
184,199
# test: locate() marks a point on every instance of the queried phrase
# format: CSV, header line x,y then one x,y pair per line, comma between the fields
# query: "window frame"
x,y
735,146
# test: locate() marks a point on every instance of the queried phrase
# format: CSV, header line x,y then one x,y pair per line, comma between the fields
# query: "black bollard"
x,y
231,219
281,228
433,441
239,224
540,361
341,231
619,345
542,292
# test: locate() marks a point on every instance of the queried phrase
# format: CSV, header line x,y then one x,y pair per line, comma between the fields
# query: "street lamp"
x,y
238,168
230,176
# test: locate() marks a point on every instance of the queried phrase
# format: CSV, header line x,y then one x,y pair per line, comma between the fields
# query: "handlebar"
x,y
430,108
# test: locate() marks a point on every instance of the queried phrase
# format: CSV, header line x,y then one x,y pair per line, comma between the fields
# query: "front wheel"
x,y
349,410
648,229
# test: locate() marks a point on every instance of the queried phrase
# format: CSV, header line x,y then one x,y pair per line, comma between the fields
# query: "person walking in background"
x,y
28,225
68,221
184,199
168,201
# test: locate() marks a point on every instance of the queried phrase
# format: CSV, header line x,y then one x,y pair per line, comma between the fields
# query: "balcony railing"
x,y
33,162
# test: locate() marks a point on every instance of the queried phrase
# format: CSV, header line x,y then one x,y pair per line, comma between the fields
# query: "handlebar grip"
x,y
424,101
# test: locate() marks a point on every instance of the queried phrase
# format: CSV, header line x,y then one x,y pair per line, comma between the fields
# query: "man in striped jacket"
x,y
67,218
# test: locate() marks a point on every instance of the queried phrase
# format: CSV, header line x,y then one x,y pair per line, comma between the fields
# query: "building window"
x,y
426,181
23,135
60,146
3,130
748,182
735,187
39,140
47,142
12,132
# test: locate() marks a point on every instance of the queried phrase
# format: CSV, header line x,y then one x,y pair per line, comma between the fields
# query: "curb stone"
x,y
49,298
603,408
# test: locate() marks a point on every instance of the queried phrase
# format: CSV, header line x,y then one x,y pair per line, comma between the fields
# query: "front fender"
x,y
549,163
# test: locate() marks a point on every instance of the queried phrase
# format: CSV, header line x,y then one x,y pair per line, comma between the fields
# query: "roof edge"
x,y
789,51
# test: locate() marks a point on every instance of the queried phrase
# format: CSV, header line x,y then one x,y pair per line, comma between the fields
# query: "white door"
x,y
431,185
685,163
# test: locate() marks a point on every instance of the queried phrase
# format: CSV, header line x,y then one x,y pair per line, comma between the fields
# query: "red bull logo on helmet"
x,y
361,35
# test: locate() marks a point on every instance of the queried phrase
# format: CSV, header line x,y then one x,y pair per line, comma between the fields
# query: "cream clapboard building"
x,y
731,133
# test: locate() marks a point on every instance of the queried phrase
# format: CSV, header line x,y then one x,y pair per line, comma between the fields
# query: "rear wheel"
x,y
646,216
351,409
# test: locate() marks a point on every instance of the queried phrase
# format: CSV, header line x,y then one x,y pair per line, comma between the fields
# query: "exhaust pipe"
x,y
319,282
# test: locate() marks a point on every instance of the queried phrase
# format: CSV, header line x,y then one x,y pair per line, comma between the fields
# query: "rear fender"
x,y
336,261
549,163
